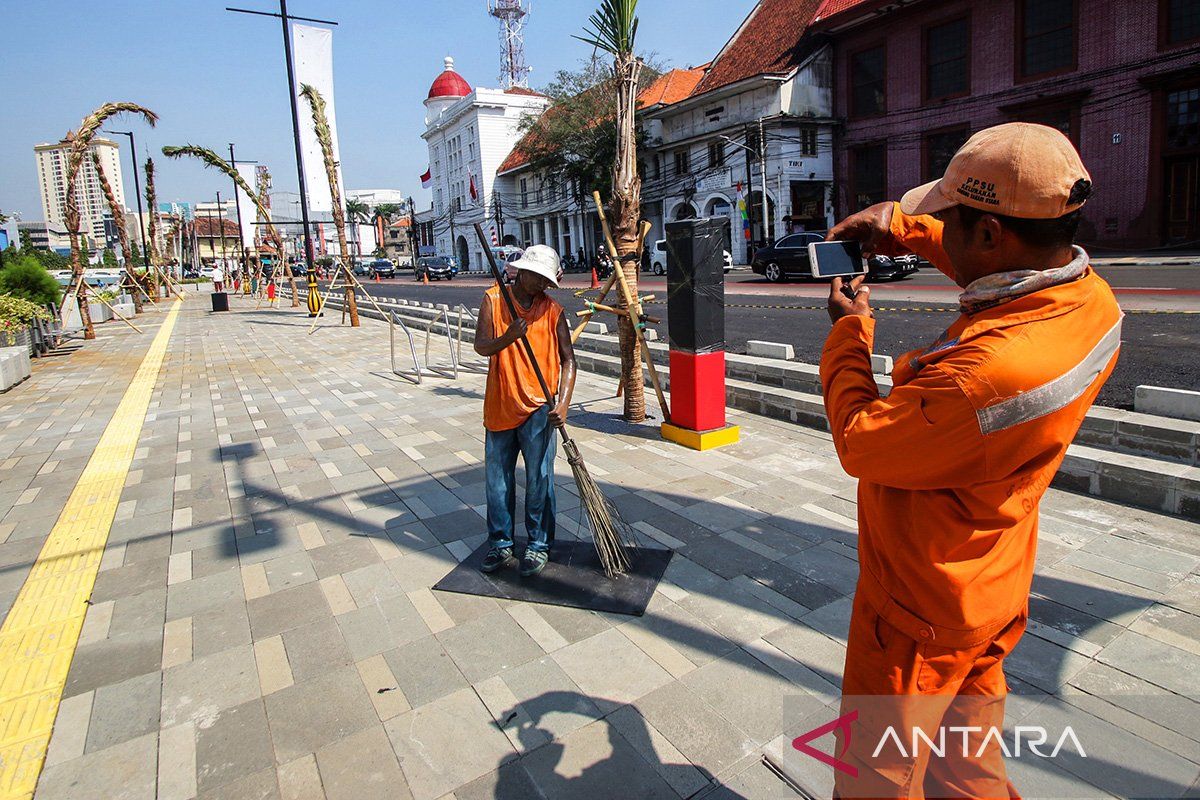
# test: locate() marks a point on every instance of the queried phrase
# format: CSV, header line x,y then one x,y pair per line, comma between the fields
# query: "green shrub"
x,y
15,315
26,278
48,258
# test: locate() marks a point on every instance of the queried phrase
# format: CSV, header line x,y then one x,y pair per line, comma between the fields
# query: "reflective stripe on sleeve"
x,y
1053,395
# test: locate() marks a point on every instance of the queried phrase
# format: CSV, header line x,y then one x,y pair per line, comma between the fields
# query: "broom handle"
x,y
512,312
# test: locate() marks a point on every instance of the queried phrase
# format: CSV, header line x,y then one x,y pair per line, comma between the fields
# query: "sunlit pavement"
x,y
262,623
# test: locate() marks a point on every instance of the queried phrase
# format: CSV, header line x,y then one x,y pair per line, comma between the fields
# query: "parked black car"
x,y
437,267
382,268
788,258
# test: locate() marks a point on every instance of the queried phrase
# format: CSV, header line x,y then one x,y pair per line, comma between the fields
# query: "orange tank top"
x,y
513,392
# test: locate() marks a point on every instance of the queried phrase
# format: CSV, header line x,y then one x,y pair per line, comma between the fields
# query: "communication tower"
x,y
512,15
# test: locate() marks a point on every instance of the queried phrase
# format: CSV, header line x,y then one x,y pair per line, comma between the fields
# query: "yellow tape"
x,y
40,634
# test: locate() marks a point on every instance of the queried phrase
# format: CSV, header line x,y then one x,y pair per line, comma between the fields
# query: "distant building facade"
x,y
469,132
758,119
1121,79
43,236
52,184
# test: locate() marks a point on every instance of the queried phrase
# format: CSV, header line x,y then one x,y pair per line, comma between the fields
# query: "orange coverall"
x,y
952,465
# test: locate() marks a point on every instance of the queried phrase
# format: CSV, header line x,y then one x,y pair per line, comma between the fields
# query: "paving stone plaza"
x,y
262,623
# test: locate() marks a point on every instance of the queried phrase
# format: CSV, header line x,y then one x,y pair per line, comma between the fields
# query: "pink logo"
x,y
842,723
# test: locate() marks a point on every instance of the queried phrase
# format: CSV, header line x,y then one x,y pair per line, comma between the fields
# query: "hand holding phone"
x,y
849,297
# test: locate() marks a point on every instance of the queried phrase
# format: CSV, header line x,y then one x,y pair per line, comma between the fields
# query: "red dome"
x,y
449,83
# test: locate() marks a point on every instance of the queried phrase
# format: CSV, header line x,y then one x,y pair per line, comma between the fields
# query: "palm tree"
x,y
152,224
118,215
80,140
613,29
357,212
384,213
325,139
211,159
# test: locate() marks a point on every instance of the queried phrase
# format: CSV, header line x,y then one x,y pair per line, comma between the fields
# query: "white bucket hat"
x,y
541,259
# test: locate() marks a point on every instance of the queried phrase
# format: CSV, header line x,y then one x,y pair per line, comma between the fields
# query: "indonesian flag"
x,y
426,179
474,191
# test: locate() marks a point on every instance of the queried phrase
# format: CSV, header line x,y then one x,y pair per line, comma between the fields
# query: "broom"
x,y
610,533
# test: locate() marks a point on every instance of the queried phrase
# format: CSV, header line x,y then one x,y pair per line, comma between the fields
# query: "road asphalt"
x,y
1161,326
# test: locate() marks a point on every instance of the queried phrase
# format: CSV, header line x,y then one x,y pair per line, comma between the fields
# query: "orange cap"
x,y
1018,169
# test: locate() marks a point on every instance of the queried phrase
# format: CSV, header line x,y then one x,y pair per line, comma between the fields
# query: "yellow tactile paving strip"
x,y
39,636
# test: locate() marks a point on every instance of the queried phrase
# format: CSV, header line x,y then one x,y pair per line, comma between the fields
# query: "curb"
x,y
1134,459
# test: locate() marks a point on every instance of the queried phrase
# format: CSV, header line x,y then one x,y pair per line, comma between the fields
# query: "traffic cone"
x,y
595,280
425,277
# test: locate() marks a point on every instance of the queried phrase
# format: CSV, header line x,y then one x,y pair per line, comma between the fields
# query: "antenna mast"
x,y
512,14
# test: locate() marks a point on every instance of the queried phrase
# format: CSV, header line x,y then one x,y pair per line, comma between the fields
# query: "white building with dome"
x,y
469,132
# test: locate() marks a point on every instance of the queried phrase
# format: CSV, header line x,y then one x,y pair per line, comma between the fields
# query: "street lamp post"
x,y
137,188
237,204
314,302
762,154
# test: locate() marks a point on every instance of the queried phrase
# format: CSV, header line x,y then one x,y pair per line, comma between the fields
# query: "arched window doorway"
x,y
462,253
719,207
685,211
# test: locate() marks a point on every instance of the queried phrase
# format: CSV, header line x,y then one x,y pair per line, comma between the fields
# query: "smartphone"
x,y
836,259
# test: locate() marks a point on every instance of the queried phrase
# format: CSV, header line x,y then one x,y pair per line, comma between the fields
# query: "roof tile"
x,y
767,42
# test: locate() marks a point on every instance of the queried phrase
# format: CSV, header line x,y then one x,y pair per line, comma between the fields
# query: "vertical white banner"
x,y
312,55
249,212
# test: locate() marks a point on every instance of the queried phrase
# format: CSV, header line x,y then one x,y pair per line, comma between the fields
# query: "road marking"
x,y
38,639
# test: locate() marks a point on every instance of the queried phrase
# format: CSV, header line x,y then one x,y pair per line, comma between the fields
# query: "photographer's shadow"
x,y
608,757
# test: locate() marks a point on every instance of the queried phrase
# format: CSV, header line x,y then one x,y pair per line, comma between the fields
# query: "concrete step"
x,y
1136,459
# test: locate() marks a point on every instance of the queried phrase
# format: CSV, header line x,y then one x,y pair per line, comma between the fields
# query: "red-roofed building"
x,y
538,210
914,80
771,76
217,239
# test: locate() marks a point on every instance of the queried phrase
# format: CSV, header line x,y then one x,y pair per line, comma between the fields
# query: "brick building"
x,y
1122,79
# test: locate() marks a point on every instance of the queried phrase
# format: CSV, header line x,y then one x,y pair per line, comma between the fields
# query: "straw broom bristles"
x,y
610,532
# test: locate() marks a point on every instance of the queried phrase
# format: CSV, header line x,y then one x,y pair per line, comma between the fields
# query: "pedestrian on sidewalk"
x,y
953,463
218,277
518,418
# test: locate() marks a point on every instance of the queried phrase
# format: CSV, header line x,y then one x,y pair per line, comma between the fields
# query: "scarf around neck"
x,y
1001,287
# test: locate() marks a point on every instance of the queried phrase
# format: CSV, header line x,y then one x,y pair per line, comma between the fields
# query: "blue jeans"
x,y
536,440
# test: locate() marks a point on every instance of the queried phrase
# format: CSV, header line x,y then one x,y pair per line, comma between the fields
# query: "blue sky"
x,y
215,77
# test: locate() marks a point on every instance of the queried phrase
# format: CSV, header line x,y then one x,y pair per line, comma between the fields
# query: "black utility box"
x,y
696,284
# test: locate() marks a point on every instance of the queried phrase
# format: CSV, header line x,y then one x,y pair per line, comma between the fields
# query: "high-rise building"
x,y
52,182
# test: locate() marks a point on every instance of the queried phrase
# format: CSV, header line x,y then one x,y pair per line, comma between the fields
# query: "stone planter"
x,y
15,366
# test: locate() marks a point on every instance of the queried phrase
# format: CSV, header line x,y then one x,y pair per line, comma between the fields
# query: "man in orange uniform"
x,y
518,416
953,463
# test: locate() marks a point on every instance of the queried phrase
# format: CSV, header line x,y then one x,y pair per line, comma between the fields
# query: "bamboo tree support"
x,y
634,305
643,232
116,313
354,284
325,140
620,312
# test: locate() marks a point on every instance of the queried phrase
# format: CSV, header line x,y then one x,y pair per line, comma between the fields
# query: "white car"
x,y
658,261
103,276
